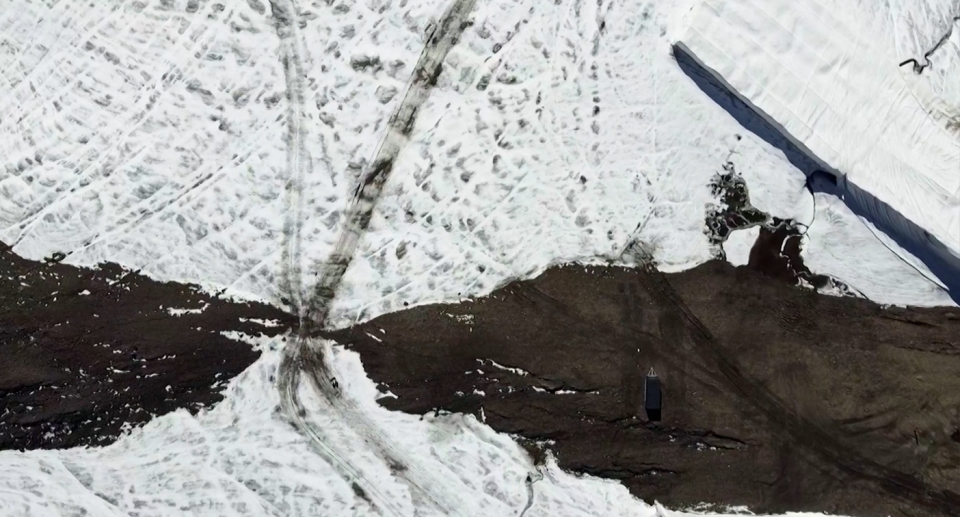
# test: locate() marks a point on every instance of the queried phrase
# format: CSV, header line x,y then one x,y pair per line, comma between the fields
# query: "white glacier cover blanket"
x,y
840,96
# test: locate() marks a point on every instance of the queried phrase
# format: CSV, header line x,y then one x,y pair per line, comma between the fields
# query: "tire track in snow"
x,y
360,208
284,13
193,186
308,354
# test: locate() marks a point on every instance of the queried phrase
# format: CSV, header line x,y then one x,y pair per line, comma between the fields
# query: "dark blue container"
x,y
652,396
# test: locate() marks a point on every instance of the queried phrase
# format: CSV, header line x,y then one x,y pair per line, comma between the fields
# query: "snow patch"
x,y
180,312
491,362
462,318
738,245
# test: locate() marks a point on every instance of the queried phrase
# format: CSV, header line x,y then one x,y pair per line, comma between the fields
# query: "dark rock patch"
x,y
777,253
84,352
734,211
775,397
778,249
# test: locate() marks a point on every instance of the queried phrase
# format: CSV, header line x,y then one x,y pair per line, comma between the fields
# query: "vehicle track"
x,y
288,379
308,354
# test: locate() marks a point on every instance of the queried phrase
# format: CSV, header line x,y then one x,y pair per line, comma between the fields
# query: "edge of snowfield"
x,y
243,458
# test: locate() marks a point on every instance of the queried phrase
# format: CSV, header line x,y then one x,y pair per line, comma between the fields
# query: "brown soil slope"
x,y
775,397
85,351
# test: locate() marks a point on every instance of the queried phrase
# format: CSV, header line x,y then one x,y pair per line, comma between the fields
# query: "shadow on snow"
x,y
904,232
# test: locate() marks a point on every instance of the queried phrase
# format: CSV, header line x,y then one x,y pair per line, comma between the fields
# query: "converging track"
x,y
306,356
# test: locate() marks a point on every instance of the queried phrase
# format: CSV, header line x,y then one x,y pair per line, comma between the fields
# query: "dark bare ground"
x,y
85,351
778,249
775,397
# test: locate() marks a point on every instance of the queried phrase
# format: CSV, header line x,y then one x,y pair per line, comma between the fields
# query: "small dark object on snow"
x,y
56,258
652,397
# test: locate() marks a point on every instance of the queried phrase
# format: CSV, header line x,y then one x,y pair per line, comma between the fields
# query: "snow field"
x,y
548,138
556,132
